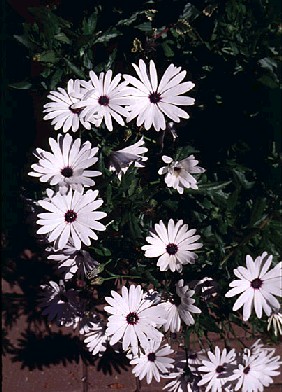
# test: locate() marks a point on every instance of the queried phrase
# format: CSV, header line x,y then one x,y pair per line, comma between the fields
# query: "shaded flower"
x,y
71,216
218,370
173,245
153,363
104,99
133,318
152,100
61,110
72,261
66,165
60,305
183,381
96,339
178,173
181,309
121,160
257,285
207,288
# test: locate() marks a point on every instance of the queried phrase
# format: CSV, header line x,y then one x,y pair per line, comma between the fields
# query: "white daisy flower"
x,y
60,305
96,339
153,363
61,110
121,160
173,245
258,286
151,99
178,173
133,318
66,165
71,216
181,308
275,322
256,371
104,100
218,370
72,261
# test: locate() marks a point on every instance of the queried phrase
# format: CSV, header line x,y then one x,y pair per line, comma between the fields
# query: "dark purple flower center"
x,y
193,356
220,369
176,300
256,283
177,169
70,216
67,172
171,249
151,357
63,297
246,370
155,97
132,318
103,100
75,110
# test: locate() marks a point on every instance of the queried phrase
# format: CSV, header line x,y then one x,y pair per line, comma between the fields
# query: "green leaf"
x,y
171,204
134,226
24,85
107,36
24,41
146,27
130,20
89,24
47,57
257,211
184,152
62,38
167,49
78,72
240,176
56,78
213,186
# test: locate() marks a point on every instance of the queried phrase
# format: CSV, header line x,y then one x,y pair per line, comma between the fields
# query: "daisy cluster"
x,y
222,370
136,320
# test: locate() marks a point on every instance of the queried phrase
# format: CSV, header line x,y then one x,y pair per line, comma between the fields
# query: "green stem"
x,y
122,276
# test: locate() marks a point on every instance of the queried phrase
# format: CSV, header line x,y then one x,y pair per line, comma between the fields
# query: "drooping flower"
x,y
256,370
105,99
178,174
173,245
59,304
121,160
153,363
152,100
257,285
67,165
180,308
72,261
275,322
218,370
133,318
61,110
71,216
